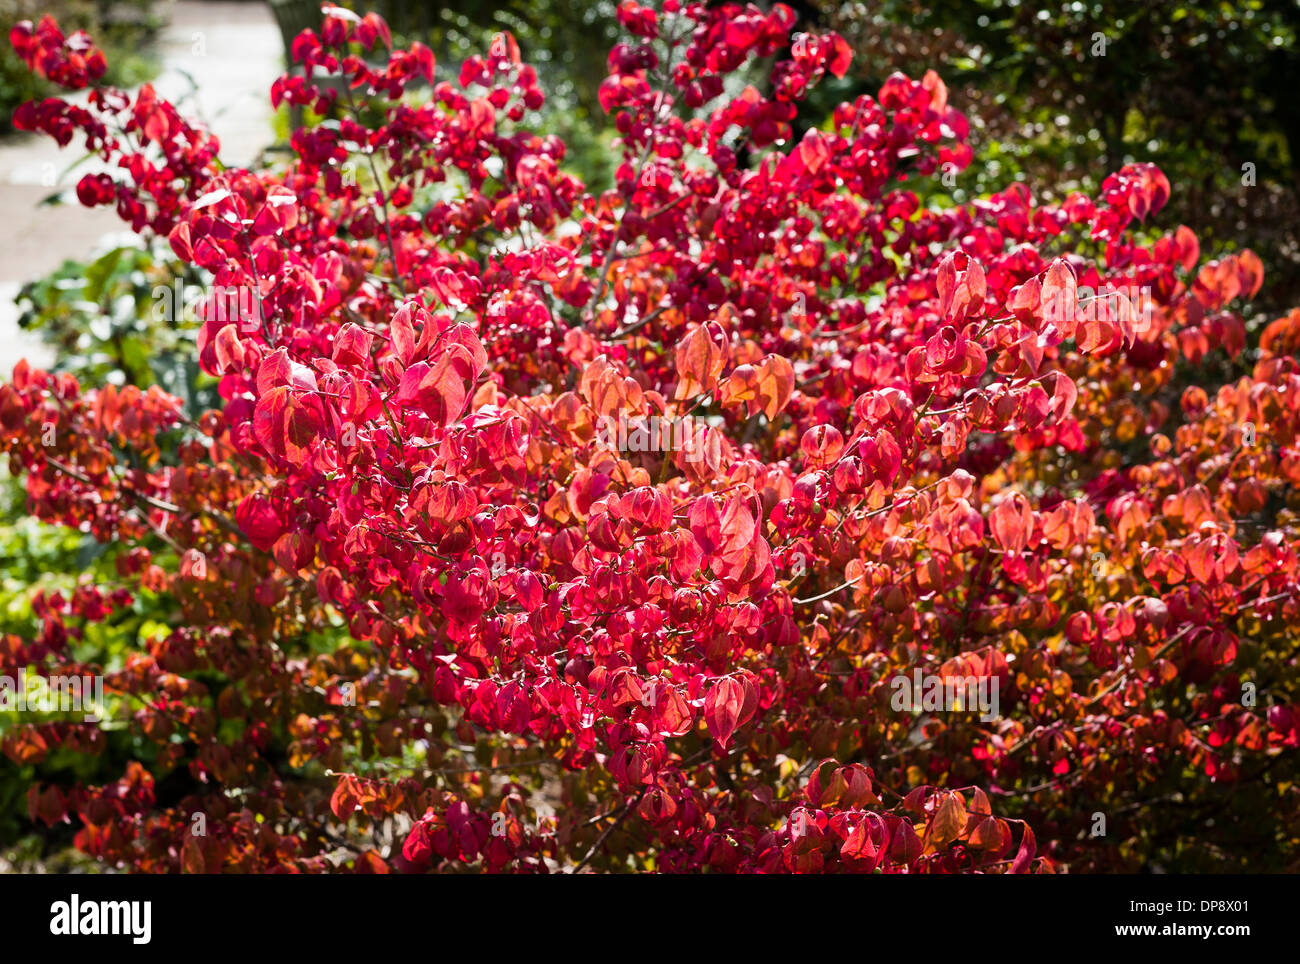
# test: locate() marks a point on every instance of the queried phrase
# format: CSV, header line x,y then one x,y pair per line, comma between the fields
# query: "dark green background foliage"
x,y
110,320
1200,89
128,317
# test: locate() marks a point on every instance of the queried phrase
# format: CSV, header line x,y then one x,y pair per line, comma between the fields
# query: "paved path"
x,y
231,52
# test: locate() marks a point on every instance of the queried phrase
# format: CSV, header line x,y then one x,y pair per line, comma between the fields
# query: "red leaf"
x,y
858,845
722,709
180,242
439,390
841,55
288,423
402,330
192,859
1025,856
905,846
1012,522
1060,298
344,799
1064,395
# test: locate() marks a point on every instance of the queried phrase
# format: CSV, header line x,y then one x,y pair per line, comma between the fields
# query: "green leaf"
x,y
99,271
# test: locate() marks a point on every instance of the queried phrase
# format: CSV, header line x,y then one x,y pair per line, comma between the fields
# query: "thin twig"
x,y
608,830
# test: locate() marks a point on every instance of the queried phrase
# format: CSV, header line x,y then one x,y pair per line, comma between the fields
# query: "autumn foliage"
x,y
947,438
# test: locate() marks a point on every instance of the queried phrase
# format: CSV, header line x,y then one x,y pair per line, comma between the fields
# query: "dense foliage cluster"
x,y
428,613
122,29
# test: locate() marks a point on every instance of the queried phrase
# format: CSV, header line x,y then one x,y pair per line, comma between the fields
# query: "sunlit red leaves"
x,y
947,357
441,476
657,807
1135,191
844,786
1067,525
830,52
1181,248
153,117
278,369
25,744
949,820
765,387
741,387
812,154
961,289
287,423
1025,300
671,710
46,802
608,390
72,62
862,846
278,213
990,834
881,456
353,793
402,331
1059,298
822,444
732,542
1239,275
352,345
905,846
729,705
1211,559
1064,395
620,90
835,826
1152,192
440,388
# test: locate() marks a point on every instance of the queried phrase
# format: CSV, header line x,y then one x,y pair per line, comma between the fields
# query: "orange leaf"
x,y
987,835
741,386
700,360
775,384
949,821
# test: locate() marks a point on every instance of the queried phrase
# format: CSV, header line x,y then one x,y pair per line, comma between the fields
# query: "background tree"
x,y
1061,94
